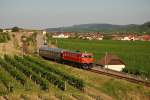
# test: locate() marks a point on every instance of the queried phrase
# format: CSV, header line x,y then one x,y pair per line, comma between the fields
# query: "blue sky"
x,y
55,13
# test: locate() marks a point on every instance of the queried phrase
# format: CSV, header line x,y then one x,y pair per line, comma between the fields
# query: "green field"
x,y
135,54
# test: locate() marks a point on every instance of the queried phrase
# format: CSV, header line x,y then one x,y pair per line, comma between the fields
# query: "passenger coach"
x,y
51,53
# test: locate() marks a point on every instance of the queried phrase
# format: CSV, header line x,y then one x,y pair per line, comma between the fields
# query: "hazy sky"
x,y
55,13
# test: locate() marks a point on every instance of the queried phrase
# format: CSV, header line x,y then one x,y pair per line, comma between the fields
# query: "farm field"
x,y
135,54
34,78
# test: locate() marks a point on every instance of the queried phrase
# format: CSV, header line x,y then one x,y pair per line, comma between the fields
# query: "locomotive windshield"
x,y
87,56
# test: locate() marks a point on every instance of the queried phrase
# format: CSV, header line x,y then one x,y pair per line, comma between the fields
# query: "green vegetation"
x,y
95,86
7,83
15,73
23,71
117,89
4,37
136,55
53,78
1,30
106,28
74,81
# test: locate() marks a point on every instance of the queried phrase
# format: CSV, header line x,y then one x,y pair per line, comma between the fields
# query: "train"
x,y
79,59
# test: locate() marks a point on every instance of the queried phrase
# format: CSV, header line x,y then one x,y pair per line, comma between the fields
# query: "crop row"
x,y
52,77
7,82
14,72
74,81
3,89
28,72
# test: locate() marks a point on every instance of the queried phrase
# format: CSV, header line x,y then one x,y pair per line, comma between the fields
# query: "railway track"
x,y
120,75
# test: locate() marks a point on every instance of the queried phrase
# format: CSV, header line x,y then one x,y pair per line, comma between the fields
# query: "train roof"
x,y
51,49
81,53
60,50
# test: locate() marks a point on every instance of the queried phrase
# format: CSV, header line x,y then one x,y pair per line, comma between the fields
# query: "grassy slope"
x,y
134,54
33,91
97,86
104,86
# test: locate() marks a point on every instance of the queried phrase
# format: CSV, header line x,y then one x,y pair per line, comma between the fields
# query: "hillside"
x,y
21,78
103,28
97,87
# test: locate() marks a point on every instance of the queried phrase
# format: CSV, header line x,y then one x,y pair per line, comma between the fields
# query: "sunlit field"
x,y
135,54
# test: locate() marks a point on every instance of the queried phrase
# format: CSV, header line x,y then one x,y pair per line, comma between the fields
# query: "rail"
x,y
120,75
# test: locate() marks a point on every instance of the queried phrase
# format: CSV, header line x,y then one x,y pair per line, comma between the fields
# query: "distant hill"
x,y
103,28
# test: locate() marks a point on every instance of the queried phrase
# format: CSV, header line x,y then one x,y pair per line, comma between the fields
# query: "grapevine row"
x,y
7,82
76,82
52,77
14,72
35,77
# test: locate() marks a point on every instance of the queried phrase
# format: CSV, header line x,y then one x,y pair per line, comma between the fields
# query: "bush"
x,y
136,71
1,30
4,37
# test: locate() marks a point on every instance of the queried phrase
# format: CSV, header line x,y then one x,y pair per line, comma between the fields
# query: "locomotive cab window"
x,y
86,56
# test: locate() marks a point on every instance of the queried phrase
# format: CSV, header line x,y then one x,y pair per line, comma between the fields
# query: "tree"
x,y
15,29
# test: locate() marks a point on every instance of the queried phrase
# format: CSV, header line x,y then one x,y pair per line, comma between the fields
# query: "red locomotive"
x,y
84,60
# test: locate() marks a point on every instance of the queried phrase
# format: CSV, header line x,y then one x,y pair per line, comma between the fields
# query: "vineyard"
x,y
28,70
28,77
